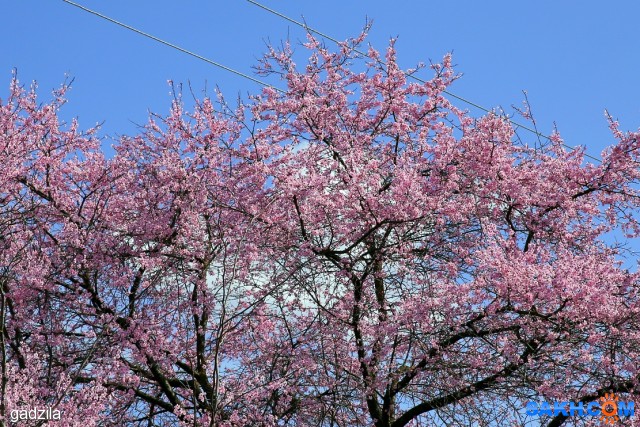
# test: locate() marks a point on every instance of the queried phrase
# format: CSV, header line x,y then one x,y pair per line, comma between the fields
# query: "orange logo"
x,y
609,408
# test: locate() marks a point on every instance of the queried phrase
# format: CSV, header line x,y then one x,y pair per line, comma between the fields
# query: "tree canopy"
x,y
352,250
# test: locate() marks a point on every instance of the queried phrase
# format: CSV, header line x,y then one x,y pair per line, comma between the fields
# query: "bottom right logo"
x,y
608,408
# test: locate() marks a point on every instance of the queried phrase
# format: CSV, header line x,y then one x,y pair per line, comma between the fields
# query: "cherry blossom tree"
x,y
352,250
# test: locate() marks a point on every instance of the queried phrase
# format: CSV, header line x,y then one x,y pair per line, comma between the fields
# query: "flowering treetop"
x,y
353,250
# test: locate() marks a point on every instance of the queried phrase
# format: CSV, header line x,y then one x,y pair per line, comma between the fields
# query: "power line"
x,y
307,28
466,101
359,52
171,45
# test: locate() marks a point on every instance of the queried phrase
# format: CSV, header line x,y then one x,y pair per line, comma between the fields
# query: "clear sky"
x,y
574,58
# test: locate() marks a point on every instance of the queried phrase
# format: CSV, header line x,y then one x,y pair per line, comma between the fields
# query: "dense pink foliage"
x,y
355,251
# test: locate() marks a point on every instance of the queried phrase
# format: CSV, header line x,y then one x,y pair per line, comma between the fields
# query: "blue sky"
x,y
574,58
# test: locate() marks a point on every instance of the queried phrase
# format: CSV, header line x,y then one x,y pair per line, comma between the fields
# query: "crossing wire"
x,y
307,28
411,76
171,45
